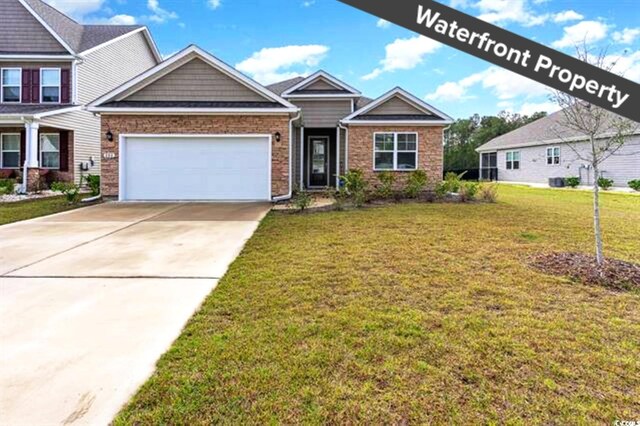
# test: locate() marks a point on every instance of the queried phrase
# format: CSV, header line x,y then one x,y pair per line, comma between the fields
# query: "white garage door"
x,y
195,168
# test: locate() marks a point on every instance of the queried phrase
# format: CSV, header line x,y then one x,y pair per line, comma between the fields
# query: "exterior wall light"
x,y
109,135
278,136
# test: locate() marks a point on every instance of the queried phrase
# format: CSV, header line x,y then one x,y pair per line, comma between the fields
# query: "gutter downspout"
x,y
288,196
346,146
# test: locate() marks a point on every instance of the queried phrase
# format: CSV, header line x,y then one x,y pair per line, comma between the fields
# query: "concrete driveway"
x,y
90,299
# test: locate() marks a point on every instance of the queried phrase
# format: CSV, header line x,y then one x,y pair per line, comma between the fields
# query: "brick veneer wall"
x,y
196,124
430,151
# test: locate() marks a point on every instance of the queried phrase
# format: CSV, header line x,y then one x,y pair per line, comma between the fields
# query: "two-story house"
x,y
51,67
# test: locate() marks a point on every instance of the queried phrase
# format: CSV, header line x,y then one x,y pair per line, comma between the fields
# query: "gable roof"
x,y
544,131
116,99
342,89
429,116
77,38
281,86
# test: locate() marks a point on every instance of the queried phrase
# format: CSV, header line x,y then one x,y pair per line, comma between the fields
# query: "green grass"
x,y
23,210
412,313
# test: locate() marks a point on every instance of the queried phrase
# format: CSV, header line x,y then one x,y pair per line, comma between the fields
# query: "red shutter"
x,y
65,86
23,147
26,86
35,86
64,151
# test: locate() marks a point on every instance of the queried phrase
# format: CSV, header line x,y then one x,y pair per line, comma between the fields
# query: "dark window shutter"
x,y
64,151
65,86
26,86
23,147
35,86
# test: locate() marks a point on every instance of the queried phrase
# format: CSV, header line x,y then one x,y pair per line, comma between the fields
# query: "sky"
x,y
272,40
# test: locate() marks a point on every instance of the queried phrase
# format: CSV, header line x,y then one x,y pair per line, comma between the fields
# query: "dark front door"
x,y
318,161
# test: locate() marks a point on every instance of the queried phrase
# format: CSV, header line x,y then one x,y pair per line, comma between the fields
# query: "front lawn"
x,y
23,210
413,313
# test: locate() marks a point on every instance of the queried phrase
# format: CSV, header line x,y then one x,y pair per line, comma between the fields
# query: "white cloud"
x,y
626,36
567,15
160,15
583,32
383,23
308,3
77,9
122,20
506,11
503,84
404,54
273,64
627,65
214,4
529,108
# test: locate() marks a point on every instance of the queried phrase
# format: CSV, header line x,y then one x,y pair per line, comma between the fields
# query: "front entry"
x,y
318,174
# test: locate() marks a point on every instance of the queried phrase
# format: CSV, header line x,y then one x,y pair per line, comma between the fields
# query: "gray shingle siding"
x,y
20,32
621,167
323,113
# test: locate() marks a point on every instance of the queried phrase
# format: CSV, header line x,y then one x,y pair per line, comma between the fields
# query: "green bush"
x,y
7,186
468,191
302,200
605,183
453,181
416,183
69,189
488,192
355,186
635,184
93,182
387,179
441,190
572,181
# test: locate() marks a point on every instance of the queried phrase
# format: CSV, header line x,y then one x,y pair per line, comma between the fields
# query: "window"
x,y
50,85
395,151
513,160
11,84
10,147
553,155
50,151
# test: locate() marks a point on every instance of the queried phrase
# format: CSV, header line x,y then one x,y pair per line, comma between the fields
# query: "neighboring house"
x,y
547,149
52,66
194,128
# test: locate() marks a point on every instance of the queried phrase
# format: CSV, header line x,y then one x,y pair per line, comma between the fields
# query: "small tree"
x,y
605,133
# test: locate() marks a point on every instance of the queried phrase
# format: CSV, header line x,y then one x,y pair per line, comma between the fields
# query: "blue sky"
x,y
277,39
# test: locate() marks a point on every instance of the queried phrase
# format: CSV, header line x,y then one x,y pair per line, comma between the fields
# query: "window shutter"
x,y
65,86
26,86
35,86
23,147
64,151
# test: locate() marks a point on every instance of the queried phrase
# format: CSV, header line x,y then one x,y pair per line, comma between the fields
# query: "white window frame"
x,y
2,85
2,150
553,156
512,161
395,151
42,86
43,151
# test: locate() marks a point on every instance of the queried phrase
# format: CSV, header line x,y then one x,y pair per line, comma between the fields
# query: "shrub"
x,y
488,192
441,190
635,184
387,179
7,186
416,183
468,191
605,183
69,189
93,182
302,200
572,181
355,186
453,181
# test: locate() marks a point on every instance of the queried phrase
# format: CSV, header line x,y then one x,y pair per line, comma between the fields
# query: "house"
x,y
51,67
194,128
547,149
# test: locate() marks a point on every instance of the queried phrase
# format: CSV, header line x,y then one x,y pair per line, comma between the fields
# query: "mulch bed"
x,y
614,274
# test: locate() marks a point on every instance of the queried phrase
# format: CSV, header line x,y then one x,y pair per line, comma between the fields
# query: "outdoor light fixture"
x,y
109,135
278,136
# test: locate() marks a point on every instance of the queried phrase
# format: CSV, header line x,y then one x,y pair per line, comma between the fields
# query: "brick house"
x,y
194,128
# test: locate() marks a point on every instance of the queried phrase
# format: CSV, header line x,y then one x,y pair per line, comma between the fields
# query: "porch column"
x,y
31,145
481,171
301,158
338,157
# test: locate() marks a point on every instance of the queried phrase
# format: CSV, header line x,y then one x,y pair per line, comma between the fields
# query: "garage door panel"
x,y
183,168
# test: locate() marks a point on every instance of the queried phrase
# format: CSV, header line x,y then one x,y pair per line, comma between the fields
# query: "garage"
x,y
195,168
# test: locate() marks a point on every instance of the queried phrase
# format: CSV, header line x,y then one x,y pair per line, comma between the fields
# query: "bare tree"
x,y
604,131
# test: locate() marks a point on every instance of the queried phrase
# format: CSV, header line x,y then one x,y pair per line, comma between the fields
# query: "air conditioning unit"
x,y
556,182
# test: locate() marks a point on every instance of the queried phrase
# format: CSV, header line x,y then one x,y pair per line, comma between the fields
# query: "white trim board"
x,y
147,34
195,111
